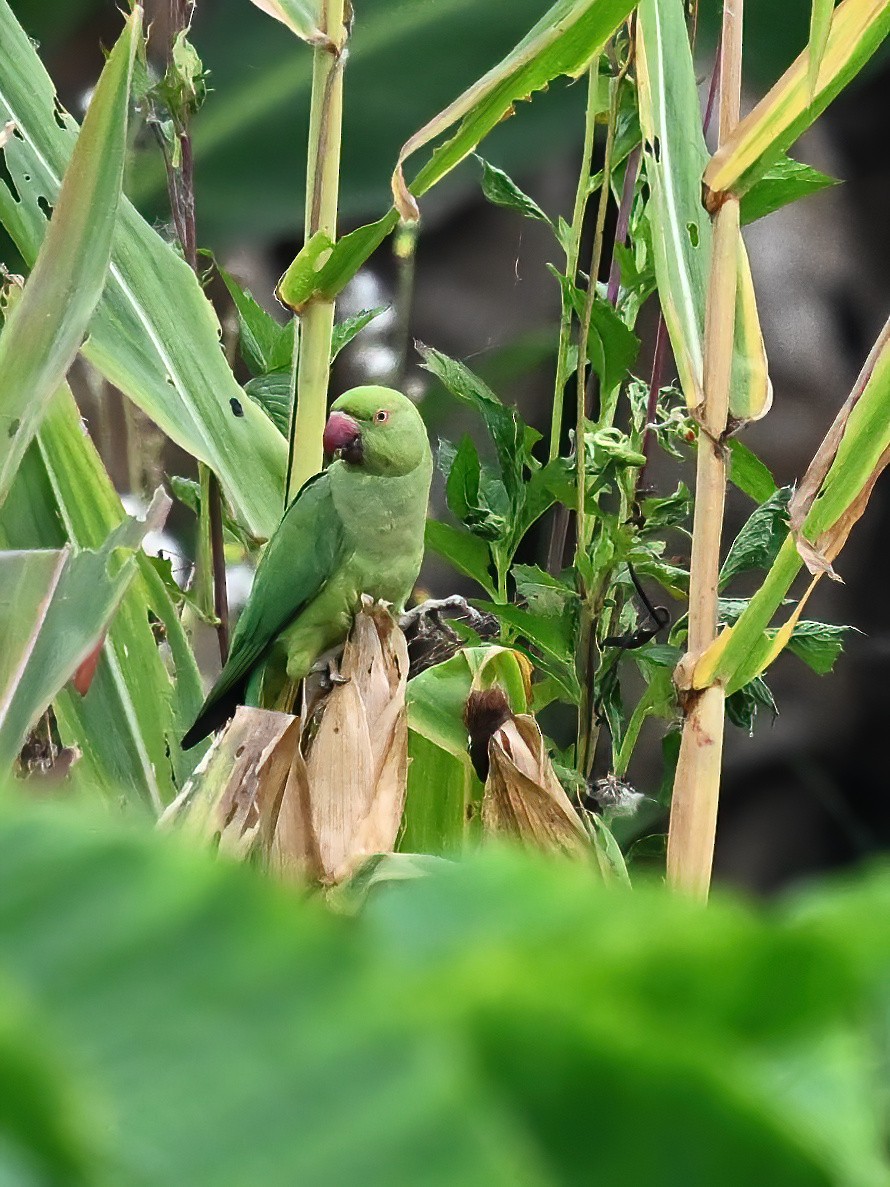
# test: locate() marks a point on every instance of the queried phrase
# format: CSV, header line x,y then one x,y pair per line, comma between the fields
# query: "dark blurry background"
x,y
805,793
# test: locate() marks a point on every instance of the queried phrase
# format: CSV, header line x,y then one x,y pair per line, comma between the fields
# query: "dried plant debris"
x,y
346,789
523,797
316,800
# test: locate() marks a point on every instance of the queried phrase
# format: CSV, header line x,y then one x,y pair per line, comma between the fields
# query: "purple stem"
x,y
714,86
622,224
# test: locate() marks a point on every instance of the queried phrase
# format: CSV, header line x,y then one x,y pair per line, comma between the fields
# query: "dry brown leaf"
x,y
233,796
523,797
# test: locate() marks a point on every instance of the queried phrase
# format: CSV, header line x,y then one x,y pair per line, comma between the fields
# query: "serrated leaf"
x,y
502,190
818,644
784,182
541,591
749,473
504,425
757,544
346,330
264,343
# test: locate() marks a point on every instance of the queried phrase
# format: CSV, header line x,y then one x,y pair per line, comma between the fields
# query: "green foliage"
x,y
456,1022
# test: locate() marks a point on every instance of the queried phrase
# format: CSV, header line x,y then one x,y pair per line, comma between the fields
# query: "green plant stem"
x,y
582,193
404,249
592,601
322,191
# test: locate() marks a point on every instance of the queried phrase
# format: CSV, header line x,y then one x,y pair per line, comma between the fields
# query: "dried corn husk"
x,y
523,797
346,790
318,798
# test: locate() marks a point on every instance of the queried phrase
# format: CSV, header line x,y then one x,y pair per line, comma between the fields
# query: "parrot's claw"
x,y
432,639
328,675
433,607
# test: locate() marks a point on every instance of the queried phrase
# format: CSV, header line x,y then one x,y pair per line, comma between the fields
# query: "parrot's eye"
x,y
381,416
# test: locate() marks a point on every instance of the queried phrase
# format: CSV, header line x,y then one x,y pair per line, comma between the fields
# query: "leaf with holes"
x,y
675,157
136,339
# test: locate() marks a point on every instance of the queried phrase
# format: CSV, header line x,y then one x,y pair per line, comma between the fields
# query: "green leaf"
x,y
670,511
838,481
54,608
46,324
749,473
264,343
565,39
437,696
541,591
757,544
502,190
322,268
441,788
858,27
466,552
821,12
272,393
784,182
818,644
129,724
553,633
136,339
302,17
611,345
745,704
504,425
345,331
760,1028
675,156
476,497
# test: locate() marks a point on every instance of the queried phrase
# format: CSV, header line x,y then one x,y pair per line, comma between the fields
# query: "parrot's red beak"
x,y
343,434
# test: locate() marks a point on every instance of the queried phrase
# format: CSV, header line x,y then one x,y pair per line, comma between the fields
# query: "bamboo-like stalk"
x,y
697,781
322,192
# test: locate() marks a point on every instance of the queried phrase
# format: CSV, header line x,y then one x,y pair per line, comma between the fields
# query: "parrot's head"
x,y
377,430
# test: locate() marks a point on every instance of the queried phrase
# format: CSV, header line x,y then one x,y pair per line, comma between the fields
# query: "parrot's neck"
x,y
382,509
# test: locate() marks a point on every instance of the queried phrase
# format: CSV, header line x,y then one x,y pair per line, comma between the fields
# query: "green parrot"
x,y
356,528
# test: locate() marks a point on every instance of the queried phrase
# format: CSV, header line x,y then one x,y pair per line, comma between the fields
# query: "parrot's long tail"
x,y
215,712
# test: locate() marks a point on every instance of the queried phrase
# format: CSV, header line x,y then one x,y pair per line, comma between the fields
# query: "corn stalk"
x,y
697,781
322,191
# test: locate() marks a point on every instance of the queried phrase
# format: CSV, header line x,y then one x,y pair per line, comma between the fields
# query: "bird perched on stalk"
x,y
356,528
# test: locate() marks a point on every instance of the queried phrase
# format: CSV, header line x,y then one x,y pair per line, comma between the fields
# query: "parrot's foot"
x,y
432,639
327,673
433,607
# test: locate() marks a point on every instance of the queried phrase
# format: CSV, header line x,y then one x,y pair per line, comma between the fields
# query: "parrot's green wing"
x,y
299,560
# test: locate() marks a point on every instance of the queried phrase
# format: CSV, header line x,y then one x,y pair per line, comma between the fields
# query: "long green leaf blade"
x,y
129,724
54,608
154,335
857,29
676,156
47,323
